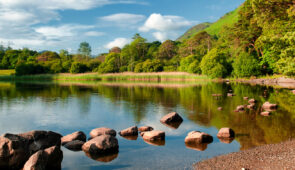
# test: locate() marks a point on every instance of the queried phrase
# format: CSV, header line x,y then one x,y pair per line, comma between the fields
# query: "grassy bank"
x,y
150,77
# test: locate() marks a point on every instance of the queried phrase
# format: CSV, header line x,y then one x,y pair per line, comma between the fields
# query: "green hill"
x,y
212,28
192,31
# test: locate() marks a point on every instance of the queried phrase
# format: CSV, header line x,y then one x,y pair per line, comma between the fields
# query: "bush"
x,y
190,64
246,65
93,65
111,64
138,68
29,69
78,68
152,66
170,68
214,64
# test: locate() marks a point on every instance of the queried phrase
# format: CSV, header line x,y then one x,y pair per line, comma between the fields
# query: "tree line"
x,y
261,42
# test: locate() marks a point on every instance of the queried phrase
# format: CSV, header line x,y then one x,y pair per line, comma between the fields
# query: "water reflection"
x,y
66,108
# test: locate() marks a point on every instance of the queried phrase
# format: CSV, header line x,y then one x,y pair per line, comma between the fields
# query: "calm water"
x,y
68,108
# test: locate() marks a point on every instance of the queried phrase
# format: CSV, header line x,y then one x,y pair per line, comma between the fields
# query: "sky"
x,y
64,24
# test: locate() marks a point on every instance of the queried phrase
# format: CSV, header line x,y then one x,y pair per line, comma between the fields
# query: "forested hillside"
x,y
256,39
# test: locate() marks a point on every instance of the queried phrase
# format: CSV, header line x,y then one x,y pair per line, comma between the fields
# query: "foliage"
x,y
78,68
84,49
246,65
29,69
214,64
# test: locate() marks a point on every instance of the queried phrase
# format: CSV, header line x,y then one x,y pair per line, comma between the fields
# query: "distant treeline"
x,y
261,42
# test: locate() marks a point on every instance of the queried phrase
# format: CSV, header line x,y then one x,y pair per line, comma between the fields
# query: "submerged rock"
x,y
265,113
102,144
102,157
102,131
73,137
197,146
240,108
75,145
226,133
171,118
131,131
198,137
153,135
145,129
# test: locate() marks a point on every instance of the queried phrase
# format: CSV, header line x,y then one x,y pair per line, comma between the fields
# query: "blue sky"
x,y
63,24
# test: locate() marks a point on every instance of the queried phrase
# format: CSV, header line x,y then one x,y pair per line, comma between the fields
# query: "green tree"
x,y
84,49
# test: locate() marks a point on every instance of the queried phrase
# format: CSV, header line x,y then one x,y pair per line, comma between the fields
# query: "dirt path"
x,y
269,157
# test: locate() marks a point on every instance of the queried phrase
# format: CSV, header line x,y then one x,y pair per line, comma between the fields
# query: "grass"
x,y
144,77
7,72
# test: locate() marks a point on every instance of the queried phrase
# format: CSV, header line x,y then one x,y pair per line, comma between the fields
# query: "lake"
x,y
66,108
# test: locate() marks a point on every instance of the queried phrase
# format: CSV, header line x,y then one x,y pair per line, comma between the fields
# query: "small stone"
x,y
102,131
131,131
226,133
145,129
198,137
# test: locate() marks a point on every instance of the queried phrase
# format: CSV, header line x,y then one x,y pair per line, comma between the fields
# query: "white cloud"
x,y
165,25
123,19
18,20
118,42
94,34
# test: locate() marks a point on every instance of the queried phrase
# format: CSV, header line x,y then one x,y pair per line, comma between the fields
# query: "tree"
x,y
167,50
84,49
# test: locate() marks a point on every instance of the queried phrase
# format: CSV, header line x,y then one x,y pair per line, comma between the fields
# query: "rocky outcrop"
x,y
73,137
145,129
102,144
102,131
131,131
198,137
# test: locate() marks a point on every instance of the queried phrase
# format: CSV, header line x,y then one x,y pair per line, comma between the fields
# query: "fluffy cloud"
x,y
94,34
123,19
165,25
118,42
18,20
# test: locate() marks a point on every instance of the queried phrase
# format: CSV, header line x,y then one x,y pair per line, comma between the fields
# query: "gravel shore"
x,y
269,157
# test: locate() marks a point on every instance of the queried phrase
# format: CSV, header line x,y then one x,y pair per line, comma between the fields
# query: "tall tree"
x,y
84,49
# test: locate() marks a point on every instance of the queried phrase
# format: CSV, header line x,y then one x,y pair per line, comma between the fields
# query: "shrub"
x,y
214,64
93,65
78,68
29,69
152,66
190,64
170,68
138,68
246,65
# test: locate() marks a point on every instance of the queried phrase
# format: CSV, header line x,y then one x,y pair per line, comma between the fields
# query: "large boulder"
x,y
131,131
13,151
153,135
41,139
145,129
269,106
198,137
102,131
171,118
54,157
75,145
74,136
37,161
226,133
102,144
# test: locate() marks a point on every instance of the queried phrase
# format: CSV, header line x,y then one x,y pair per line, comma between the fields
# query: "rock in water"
x,y
37,161
75,145
269,106
74,136
226,133
102,144
153,135
198,137
171,118
145,129
102,131
132,131
55,157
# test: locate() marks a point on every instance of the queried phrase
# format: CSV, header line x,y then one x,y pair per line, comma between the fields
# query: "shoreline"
x,y
277,81
272,156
